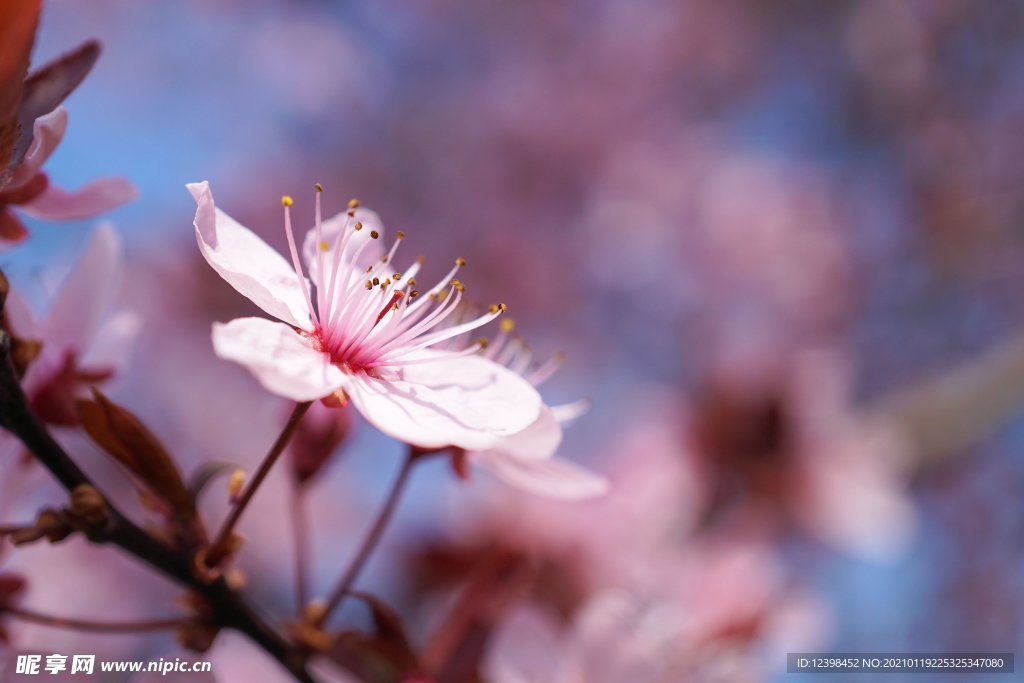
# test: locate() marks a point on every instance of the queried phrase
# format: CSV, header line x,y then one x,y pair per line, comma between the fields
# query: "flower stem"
x,y
370,542
94,626
300,530
222,545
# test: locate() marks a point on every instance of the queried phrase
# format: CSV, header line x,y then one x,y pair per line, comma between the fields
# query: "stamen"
x,y
286,202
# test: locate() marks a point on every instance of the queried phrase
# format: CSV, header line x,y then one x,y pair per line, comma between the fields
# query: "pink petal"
x,y
539,440
93,198
329,234
246,262
86,295
551,477
280,358
465,401
114,343
47,132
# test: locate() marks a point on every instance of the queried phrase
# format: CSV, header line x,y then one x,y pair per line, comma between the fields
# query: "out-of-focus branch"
x,y
943,416
227,606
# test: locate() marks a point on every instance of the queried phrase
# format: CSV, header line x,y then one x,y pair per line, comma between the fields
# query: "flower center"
x,y
367,317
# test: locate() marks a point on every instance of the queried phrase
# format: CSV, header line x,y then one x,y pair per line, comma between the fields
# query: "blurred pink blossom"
x,y
29,188
85,341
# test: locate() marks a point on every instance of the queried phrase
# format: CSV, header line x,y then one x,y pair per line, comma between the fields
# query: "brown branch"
x,y
228,607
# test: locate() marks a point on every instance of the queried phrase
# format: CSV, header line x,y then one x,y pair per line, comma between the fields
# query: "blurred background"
x,y
731,216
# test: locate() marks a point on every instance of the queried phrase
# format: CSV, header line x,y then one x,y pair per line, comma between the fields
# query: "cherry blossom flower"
x,y
526,460
30,190
360,333
83,341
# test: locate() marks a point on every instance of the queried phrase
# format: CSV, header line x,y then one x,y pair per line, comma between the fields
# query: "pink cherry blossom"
x,y
360,331
30,190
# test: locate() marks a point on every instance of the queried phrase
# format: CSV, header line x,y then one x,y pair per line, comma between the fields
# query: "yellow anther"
x,y
397,276
507,325
369,285
319,187
457,284
483,343
421,260
503,307
400,234
286,200
374,234
324,246
412,281
358,225
495,308
460,261
353,204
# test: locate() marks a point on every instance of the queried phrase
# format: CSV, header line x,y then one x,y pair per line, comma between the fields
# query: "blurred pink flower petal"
x,y
30,189
86,295
83,343
96,197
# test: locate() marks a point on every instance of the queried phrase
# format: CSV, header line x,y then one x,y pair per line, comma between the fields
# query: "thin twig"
x,y
372,537
222,546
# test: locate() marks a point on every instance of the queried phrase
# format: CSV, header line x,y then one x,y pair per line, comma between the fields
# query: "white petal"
x,y
280,358
551,477
246,262
464,401
86,295
540,440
